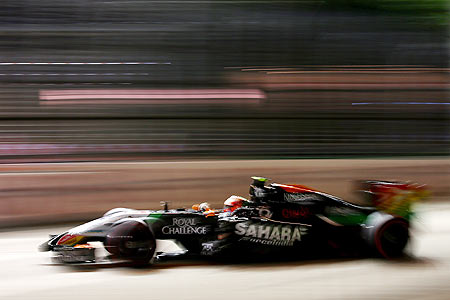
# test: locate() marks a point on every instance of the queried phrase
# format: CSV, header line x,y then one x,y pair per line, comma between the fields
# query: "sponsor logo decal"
x,y
276,235
69,239
295,213
290,197
207,249
334,210
184,226
137,244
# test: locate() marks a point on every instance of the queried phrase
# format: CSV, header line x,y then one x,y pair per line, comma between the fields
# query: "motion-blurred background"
x,y
117,80
126,103
90,79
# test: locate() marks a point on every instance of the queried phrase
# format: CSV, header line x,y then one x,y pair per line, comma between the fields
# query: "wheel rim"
x,y
392,237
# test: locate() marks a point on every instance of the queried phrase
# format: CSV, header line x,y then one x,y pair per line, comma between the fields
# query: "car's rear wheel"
x,y
386,234
392,237
131,240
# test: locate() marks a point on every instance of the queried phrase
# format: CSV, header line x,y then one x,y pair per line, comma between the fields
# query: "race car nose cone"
x,y
44,247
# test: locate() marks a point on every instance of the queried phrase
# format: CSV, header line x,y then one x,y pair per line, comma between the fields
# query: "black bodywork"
x,y
278,221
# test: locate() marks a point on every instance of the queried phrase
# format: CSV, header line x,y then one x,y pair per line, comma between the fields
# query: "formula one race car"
x,y
279,220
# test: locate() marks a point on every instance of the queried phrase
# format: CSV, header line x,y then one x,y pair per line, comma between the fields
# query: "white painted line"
x,y
84,63
74,74
227,162
151,96
48,173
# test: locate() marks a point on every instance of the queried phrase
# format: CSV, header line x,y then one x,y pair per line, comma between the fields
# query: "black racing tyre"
x,y
392,238
387,235
131,240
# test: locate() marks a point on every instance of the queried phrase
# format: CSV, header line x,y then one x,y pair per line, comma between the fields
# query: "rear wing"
x,y
395,198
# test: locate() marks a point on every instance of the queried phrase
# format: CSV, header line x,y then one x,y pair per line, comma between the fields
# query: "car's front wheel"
x,y
131,240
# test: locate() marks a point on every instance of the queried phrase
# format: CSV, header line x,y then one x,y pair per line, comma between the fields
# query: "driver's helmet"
x,y
204,206
233,203
259,192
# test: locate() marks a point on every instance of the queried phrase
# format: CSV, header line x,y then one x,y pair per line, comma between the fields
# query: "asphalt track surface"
x,y
425,274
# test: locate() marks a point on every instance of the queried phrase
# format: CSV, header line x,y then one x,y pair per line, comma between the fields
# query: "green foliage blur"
x,y
426,12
